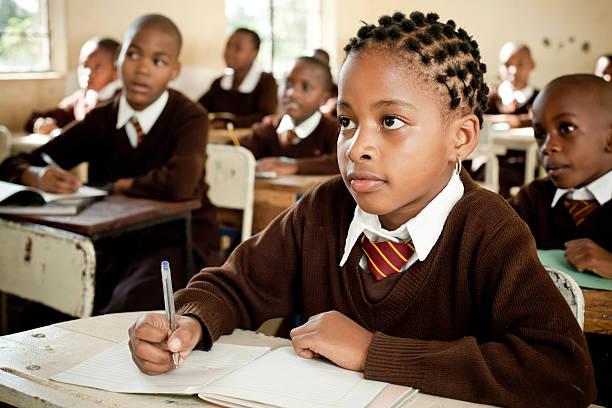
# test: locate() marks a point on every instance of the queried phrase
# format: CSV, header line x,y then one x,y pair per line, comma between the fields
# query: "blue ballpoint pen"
x,y
169,302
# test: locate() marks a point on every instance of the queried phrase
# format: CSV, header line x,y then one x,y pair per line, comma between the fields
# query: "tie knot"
x,y
385,257
580,209
287,137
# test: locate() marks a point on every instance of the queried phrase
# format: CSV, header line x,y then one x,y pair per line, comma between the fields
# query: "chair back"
x,y
230,174
570,291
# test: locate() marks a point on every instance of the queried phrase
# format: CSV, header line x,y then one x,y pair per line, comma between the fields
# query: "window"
x,y
24,36
288,28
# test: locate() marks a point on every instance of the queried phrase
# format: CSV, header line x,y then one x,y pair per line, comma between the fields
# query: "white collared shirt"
x,y
508,94
146,117
303,130
249,82
600,190
424,229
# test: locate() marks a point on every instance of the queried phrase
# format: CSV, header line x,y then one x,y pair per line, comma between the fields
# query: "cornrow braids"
x,y
448,55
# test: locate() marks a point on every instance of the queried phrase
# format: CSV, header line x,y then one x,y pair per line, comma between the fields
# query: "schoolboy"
x,y
246,91
471,314
571,209
98,80
302,140
149,141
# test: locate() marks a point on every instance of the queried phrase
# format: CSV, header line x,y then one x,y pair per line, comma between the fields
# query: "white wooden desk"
x,y
28,359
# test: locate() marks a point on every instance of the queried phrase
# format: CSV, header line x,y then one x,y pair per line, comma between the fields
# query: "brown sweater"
x,y
168,165
314,155
553,226
249,108
478,320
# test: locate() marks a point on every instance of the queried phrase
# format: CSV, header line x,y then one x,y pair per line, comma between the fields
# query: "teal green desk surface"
x,y
556,259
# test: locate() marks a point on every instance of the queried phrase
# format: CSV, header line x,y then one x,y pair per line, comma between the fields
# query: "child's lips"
x,y
362,182
139,87
555,169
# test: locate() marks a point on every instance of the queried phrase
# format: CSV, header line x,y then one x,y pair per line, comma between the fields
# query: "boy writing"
x,y
405,268
148,141
245,91
302,133
98,80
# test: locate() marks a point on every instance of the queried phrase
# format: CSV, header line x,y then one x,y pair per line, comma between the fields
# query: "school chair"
x,y
570,291
486,154
5,142
230,175
47,265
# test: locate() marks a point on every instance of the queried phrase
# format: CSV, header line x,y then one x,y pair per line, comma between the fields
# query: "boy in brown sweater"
x,y
301,141
150,142
405,269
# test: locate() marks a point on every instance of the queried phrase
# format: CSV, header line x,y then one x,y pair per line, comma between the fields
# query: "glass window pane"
x,y
24,36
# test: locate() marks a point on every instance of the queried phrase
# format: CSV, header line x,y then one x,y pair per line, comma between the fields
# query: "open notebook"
x,y
241,376
20,199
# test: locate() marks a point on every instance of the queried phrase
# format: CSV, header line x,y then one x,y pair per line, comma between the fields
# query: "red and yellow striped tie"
x,y
139,131
385,257
580,209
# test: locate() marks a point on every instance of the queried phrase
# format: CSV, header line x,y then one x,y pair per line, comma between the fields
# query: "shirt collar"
x,y
146,117
424,229
249,82
523,95
304,129
599,189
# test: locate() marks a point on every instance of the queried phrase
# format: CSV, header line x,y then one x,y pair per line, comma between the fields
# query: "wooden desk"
x,y
222,135
597,311
23,142
29,358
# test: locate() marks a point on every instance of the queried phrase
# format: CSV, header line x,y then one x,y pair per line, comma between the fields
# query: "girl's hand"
x,y
584,254
335,337
152,344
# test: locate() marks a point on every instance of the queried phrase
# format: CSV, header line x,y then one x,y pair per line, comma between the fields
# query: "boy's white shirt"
x,y
303,130
249,82
599,189
146,117
424,229
508,94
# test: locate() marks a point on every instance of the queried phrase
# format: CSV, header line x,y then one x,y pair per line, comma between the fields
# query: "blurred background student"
x,y
603,67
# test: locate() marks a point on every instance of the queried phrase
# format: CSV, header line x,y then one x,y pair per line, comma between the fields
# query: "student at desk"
x,y
302,134
245,91
458,305
97,76
150,142
572,208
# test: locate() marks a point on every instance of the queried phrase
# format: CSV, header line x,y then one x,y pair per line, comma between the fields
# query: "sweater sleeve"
x,y
266,102
527,348
176,180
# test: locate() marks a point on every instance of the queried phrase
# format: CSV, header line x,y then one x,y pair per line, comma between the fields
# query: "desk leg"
x,y
188,247
3,305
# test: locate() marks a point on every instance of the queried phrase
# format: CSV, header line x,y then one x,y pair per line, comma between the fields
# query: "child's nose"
x,y
550,145
361,147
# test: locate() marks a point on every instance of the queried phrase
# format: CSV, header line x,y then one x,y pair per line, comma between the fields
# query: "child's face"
x,y
147,65
98,70
304,91
515,67
394,151
574,135
240,51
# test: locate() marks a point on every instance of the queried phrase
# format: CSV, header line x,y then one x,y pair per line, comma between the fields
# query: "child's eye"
x,y
132,55
159,63
346,123
391,123
539,134
566,127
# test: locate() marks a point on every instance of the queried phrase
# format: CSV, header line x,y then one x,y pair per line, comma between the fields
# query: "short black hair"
x,y
254,36
327,76
109,45
157,22
448,55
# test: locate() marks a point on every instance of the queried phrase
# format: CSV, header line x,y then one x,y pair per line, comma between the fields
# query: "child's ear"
x,y
176,71
466,132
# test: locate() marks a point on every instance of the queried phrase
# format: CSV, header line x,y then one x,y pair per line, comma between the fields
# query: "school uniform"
x,y
168,164
474,316
313,146
255,98
76,105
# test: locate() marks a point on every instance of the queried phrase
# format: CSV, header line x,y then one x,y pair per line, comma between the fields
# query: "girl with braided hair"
x,y
402,267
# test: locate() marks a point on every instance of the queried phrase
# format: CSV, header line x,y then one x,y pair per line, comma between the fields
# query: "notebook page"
x,y
114,370
282,378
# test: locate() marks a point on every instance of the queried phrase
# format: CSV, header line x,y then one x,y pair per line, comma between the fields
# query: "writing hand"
x,y
152,344
123,184
584,254
51,179
335,337
44,126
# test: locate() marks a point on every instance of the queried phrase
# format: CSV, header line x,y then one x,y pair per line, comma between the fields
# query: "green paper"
x,y
555,258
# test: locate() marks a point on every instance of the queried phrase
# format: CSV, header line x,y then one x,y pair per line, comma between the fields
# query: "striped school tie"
x,y
138,129
385,257
580,209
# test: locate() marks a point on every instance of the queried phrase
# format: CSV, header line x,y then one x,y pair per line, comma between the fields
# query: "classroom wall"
x,y
566,24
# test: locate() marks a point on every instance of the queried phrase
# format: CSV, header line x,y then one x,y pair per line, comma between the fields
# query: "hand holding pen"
x,y
51,178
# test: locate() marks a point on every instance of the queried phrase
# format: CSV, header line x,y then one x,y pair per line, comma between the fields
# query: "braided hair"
x,y
448,55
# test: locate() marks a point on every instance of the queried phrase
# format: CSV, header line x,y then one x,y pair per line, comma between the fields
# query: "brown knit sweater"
x,y
314,155
478,320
